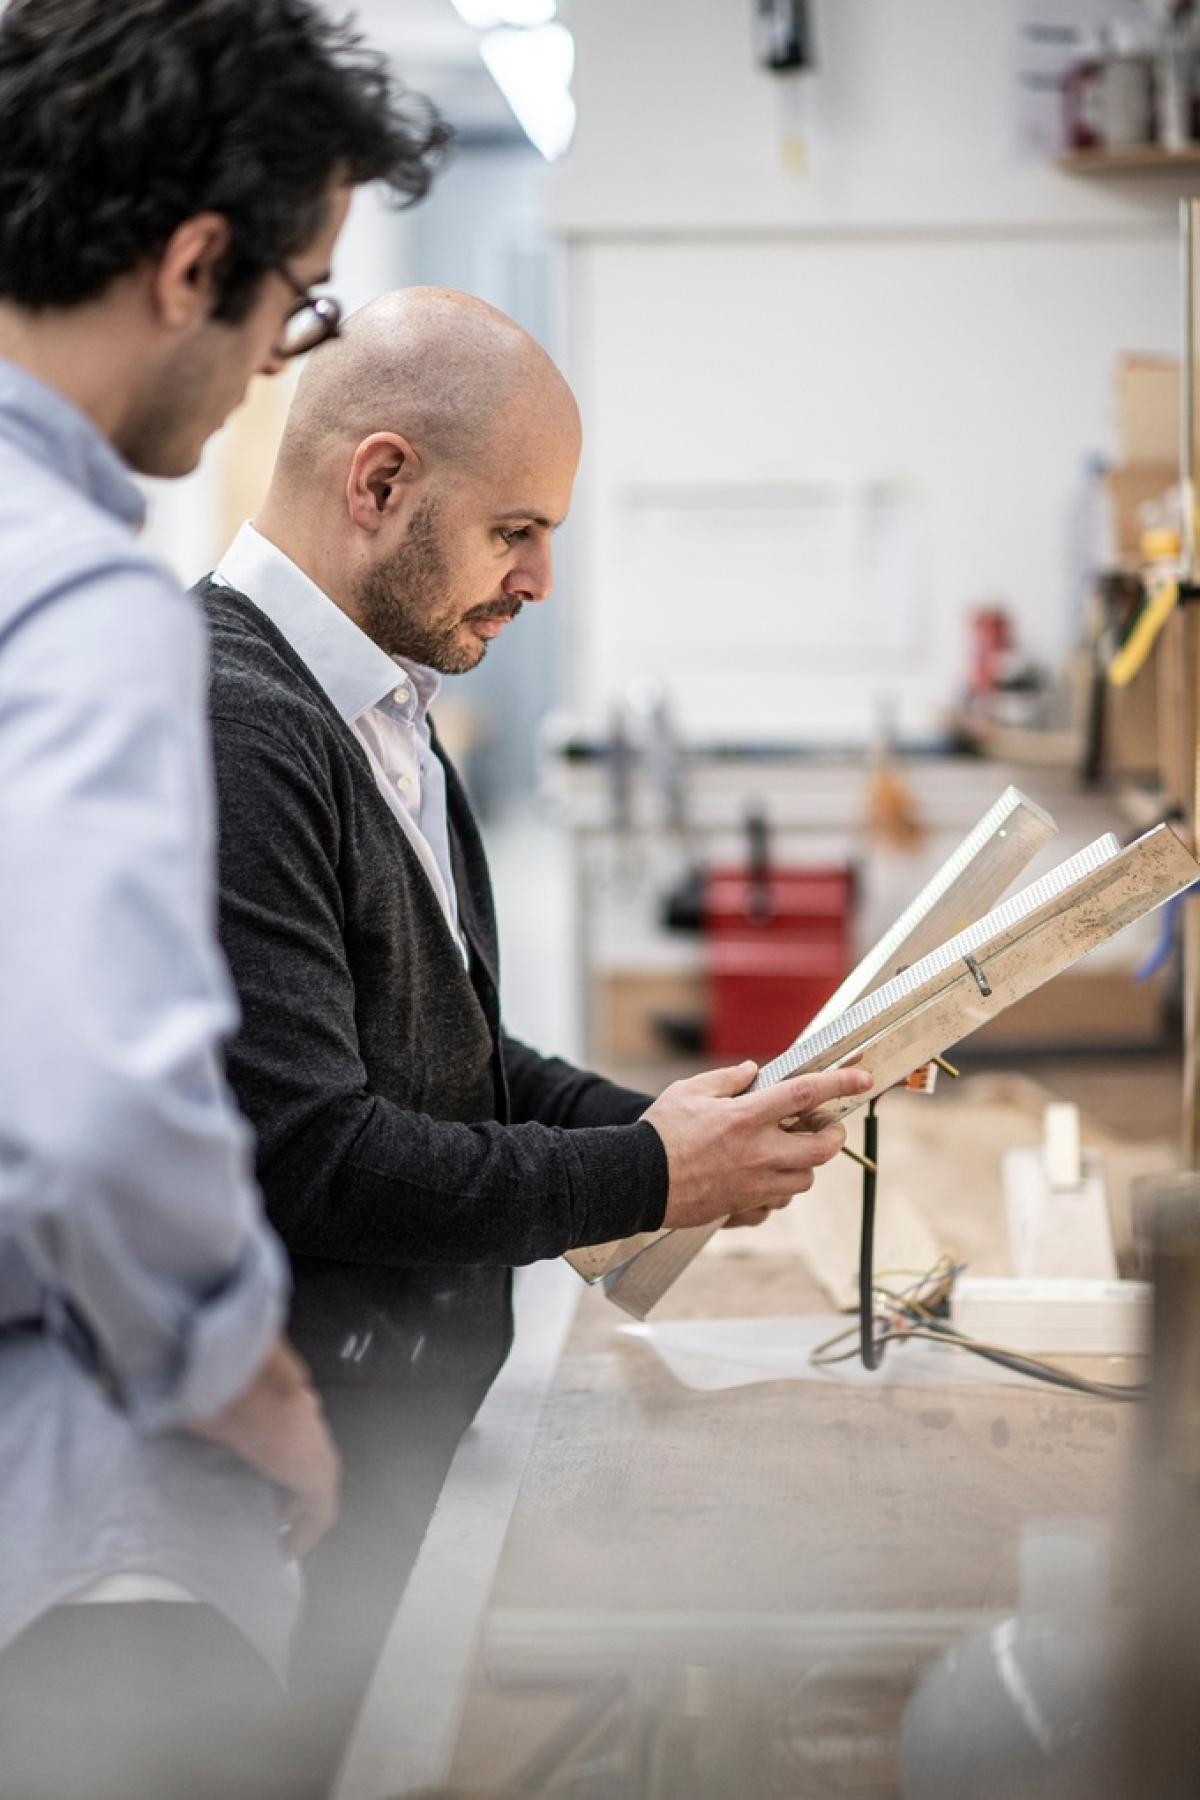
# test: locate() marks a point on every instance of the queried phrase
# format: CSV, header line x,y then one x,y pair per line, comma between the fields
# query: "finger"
x,y
808,1149
757,1215
309,1518
723,1083
805,1094
787,1183
807,1121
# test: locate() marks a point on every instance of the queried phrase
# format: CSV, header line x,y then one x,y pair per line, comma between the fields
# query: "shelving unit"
x,y
1135,159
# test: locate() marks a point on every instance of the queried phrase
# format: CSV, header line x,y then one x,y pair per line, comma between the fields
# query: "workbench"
x,y
688,1594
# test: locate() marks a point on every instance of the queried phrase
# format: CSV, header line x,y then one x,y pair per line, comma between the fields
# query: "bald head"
x,y
449,372
427,461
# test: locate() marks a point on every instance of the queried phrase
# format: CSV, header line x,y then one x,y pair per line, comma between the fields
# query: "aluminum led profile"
x,y
813,1043
1017,948
972,878
989,859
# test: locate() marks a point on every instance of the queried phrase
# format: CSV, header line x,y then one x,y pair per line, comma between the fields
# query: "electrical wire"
x,y
868,1349
918,1311
932,1331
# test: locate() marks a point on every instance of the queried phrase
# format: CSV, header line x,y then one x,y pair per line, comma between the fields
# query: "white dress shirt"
x,y
383,699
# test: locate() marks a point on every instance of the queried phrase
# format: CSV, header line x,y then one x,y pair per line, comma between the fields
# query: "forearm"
x,y
366,1181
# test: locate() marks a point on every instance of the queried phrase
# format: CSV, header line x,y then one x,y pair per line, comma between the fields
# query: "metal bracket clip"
x,y
981,980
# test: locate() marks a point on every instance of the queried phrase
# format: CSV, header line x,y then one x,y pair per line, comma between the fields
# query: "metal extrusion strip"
x,y
595,1261
990,857
1018,947
812,1043
910,1020
643,1278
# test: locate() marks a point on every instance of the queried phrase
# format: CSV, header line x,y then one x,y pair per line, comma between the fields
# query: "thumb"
x,y
723,1083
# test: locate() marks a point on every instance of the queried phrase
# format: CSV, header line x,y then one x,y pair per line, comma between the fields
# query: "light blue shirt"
x,y
139,1286
385,700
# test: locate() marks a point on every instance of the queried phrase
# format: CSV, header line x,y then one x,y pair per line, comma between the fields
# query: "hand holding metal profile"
x,y
725,1150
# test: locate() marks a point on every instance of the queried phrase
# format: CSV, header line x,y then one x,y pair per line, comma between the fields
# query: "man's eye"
x,y
514,534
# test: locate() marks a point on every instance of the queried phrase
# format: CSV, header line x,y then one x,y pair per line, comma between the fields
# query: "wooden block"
x,y
1148,410
627,1002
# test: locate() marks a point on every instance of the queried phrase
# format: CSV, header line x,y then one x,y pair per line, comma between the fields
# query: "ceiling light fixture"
x,y
533,69
484,15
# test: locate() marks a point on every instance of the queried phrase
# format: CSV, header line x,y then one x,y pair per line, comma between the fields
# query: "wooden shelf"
x,y
1136,159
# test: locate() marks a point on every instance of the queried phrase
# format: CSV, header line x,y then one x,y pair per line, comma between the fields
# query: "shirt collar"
x,y
350,666
44,425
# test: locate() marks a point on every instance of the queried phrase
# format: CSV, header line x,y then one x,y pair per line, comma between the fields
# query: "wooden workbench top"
x,y
759,1574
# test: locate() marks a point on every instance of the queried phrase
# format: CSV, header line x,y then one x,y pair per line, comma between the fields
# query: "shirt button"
x,y
403,783
401,696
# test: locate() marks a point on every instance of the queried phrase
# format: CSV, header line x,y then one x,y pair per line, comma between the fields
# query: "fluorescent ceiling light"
x,y
533,70
484,14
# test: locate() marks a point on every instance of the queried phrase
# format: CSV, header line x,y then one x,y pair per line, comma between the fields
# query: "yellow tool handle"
x,y
1142,639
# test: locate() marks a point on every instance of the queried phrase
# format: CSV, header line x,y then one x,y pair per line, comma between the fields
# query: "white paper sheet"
x,y
709,1355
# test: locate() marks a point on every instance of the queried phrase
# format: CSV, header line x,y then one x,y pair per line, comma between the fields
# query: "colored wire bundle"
x,y
920,1311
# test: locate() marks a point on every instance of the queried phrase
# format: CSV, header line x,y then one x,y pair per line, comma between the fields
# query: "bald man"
x,y
410,1150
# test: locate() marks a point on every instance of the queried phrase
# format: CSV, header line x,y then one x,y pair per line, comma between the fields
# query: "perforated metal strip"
x,y
812,1043
991,855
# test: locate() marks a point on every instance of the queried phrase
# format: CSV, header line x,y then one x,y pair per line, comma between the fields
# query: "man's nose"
x,y
533,577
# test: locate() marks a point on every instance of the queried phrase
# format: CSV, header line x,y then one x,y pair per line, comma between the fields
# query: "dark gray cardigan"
x,y
409,1150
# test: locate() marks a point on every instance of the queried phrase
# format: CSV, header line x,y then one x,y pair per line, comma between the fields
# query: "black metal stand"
x,y
871,1352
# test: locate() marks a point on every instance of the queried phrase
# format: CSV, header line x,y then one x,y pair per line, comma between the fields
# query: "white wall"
x,y
925,304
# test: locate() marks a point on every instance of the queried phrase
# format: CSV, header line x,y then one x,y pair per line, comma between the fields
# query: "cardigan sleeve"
x,y
555,1092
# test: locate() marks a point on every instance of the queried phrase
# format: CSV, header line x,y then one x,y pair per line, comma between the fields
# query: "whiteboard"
x,y
808,571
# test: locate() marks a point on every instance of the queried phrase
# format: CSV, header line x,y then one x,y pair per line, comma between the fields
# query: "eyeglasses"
x,y
317,318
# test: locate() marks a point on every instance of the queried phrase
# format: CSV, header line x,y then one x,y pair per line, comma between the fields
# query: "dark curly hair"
x,y
119,119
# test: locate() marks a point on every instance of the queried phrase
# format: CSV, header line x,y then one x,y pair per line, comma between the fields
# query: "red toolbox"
x,y
777,944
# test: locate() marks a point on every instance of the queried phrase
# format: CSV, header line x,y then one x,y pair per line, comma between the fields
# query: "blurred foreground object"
x,y
1160,1714
785,34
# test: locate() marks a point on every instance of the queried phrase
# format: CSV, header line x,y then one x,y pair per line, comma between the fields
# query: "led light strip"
x,y
992,854
812,1044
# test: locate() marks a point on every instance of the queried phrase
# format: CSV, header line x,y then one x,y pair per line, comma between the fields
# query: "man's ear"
x,y
382,478
185,279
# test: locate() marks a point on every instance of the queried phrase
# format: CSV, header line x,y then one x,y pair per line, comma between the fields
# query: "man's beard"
x,y
398,601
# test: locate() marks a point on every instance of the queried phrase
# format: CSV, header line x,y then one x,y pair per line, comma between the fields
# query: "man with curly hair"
x,y
173,178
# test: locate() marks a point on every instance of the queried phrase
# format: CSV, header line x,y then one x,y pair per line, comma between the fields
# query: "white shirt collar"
x,y
350,666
